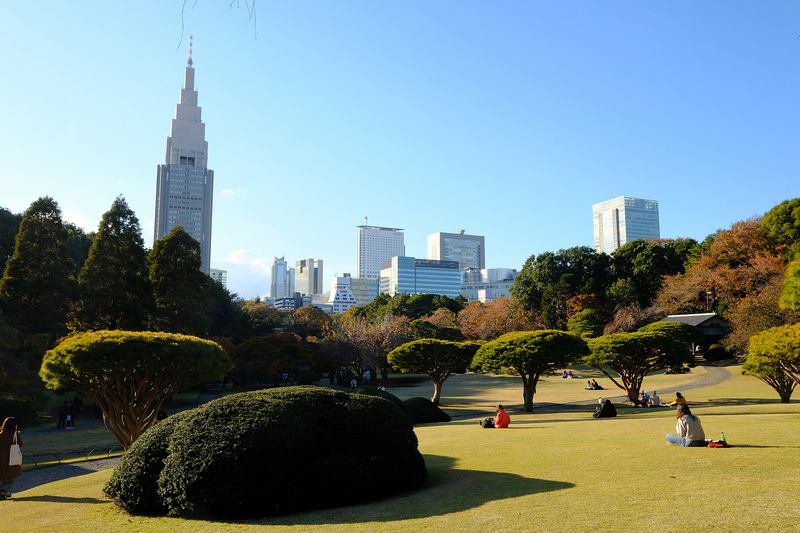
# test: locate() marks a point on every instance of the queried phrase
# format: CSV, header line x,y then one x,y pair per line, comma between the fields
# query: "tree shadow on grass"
x,y
57,499
447,491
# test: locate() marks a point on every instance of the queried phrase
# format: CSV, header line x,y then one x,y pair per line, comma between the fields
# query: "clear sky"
x,y
507,119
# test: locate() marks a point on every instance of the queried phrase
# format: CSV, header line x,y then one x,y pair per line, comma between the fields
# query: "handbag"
x,y
15,454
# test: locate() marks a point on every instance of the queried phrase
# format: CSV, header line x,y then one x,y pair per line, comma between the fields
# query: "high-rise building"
x,y
420,276
282,279
308,276
376,245
468,250
185,184
341,298
220,276
622,220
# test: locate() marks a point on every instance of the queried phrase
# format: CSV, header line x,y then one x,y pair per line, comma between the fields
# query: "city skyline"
x,y
507,120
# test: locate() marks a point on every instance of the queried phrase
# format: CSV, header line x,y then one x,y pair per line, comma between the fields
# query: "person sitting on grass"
x,y
500,421
606,409
689,430
678,400
595,385
655,401
589,385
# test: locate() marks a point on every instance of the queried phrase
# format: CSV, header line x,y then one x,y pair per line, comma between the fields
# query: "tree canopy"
x,y
437,358
781,346
634,355
180,287
129,374
115,288
530,354
38,284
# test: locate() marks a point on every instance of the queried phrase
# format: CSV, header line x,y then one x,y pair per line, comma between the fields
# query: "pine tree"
x,y
179,285
38,283
115,288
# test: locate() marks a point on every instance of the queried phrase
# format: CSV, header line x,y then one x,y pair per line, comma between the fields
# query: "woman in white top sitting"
x,y
689,431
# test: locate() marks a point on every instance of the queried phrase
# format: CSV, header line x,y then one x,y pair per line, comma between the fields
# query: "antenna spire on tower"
x,y
190,50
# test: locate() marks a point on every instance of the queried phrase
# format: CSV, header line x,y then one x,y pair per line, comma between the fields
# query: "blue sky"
x,y
507,119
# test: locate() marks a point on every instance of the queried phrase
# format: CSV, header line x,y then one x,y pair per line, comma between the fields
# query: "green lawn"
x,y
550,471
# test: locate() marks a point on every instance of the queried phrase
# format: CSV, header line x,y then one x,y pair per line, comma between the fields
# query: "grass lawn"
x,y
550,471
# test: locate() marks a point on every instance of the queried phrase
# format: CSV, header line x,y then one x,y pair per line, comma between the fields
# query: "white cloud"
x,y
231,192
261,264
75,218
239,257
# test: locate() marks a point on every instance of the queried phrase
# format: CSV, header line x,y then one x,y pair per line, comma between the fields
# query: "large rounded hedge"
x,y
134,483
423,411
283,450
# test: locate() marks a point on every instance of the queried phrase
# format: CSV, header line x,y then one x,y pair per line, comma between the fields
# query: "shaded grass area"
x,y
550,471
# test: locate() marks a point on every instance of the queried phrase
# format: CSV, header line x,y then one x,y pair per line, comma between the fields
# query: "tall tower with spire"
x,y
185,184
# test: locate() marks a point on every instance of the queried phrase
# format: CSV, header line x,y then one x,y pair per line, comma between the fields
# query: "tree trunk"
x,y
528,390
437,392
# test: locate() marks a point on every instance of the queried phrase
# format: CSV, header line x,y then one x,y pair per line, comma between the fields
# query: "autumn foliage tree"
x,y
487,321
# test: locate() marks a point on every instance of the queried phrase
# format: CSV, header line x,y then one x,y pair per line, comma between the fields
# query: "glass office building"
x,y
420,276
624,219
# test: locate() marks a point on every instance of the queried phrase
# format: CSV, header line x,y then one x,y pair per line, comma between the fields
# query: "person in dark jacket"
x,y
606,409
8,474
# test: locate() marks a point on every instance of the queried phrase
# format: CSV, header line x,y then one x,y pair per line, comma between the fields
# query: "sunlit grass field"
x,y
549,471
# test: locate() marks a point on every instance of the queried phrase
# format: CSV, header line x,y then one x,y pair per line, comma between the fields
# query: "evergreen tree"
x,y
115,288
180,287
38,283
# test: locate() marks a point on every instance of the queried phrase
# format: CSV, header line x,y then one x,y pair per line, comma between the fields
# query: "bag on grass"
x,y
718,444
487,423
15,454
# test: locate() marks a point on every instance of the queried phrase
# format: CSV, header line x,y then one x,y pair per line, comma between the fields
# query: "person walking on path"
x,y
8,474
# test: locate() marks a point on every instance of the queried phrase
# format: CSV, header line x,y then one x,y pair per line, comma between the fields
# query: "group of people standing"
x,y
68,412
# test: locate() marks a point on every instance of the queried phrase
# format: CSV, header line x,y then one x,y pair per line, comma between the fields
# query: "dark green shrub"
x,y
283,450
422,411
715,352
369,390
134,483
24,412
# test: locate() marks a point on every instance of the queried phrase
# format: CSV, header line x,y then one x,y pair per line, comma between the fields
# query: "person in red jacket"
x,y
502,419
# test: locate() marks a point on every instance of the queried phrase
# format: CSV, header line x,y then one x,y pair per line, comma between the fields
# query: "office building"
x,y
282,279
376,245
622,220
308,276
220,276
488,284
341,298
420,276
365,290
468,250
185,184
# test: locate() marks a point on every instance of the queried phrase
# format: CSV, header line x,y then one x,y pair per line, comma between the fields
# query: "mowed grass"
x,y
550,471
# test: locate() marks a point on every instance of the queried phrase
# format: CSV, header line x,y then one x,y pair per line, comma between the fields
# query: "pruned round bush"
x,y
284,450
423,411
369,390
715,352
134,483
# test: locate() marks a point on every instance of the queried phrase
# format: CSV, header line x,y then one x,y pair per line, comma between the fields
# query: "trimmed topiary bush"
x,y
369,390
134,483
272,452
715,352
422,411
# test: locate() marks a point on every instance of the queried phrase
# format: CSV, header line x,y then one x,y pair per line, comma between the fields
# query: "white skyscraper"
x,y
185,185
308,276
281,280
468,250
622,220
341,298
376,245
